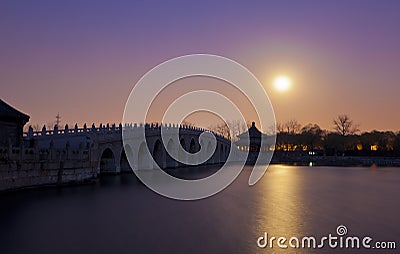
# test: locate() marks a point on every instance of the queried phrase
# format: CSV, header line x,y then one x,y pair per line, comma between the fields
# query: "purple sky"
x,y
82,58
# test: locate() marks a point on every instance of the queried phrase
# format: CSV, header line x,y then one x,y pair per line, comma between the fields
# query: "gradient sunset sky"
x,y
82,58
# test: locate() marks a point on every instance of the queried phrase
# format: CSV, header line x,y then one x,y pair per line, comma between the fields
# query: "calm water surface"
x,y
120,215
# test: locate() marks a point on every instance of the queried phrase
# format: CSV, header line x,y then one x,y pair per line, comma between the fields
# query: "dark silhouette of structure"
x,y
12,123
75,155
257,144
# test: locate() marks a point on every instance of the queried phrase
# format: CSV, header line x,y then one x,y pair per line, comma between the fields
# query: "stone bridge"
x,y
103,146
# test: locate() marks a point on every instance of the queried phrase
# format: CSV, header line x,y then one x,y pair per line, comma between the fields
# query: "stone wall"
x,y
33,167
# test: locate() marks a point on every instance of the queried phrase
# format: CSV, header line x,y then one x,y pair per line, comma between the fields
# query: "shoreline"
x,y
49,186
337,161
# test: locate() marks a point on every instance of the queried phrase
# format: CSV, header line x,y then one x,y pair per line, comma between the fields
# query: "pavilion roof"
x,y
9,113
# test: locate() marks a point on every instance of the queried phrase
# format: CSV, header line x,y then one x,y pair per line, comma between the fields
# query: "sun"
x,y
282,83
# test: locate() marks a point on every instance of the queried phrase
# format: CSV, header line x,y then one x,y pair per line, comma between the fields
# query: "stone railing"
x,y
110,129
67,131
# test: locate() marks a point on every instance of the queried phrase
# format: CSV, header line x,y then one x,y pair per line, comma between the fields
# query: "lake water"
x,y
120,215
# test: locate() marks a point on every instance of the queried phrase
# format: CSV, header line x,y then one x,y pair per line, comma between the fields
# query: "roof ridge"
x,y
7,111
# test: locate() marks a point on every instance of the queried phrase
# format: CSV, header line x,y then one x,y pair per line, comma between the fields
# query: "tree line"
x,y
345,138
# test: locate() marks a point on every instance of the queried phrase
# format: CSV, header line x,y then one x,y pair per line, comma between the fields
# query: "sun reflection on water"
x,y
280,203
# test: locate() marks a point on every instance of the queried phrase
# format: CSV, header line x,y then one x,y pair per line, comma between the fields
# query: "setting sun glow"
x,y
282,83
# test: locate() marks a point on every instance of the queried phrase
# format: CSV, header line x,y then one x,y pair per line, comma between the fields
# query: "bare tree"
x,y
35,127
187,123
237,127
230,129
50,126
344,126
221,129
280,127
292,126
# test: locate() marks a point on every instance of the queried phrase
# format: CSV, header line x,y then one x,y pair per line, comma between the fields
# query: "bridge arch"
x,y
192,148
107,161
209,151
202,149
183,143
221,153
158,154
111,155
181,154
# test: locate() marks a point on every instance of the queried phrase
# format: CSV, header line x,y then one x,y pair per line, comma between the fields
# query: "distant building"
x,y
258,144
12,123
